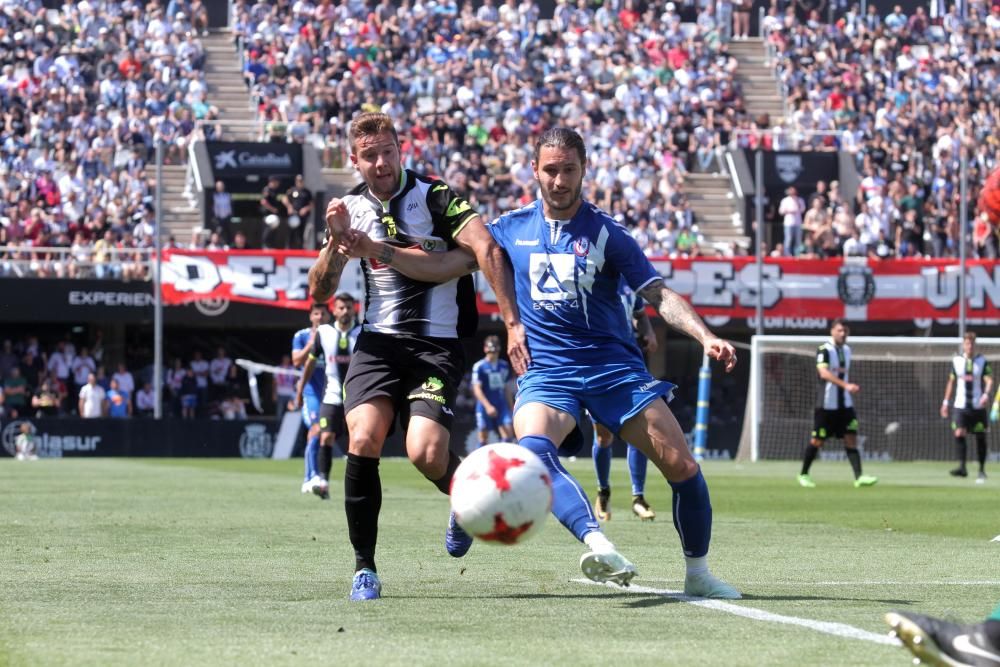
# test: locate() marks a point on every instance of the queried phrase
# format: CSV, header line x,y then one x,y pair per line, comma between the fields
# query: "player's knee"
x,y
816,442
326,439
364,443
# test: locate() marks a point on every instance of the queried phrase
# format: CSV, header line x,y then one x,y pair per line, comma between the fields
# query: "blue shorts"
x,y
310,410
612,393
486,423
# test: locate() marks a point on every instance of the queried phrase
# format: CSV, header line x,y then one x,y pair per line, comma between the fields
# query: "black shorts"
x,y
419,374
331,419
973,421
834,423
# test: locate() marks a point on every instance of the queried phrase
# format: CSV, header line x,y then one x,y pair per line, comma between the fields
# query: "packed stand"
x,y
469,89
85,91
906,95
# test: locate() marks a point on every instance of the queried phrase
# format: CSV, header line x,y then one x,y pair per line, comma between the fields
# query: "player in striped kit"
x,y
834,415
335,345
972,379
303,343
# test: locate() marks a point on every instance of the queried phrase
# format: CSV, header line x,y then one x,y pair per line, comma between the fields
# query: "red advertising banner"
x,y
857,289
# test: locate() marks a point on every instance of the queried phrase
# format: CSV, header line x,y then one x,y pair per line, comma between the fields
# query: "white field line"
x,y
984,582
826,627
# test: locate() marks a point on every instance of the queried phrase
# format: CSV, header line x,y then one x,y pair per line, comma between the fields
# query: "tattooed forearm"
x,y
324,276
386,254
675,310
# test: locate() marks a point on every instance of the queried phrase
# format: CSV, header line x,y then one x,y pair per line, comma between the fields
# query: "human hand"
x,y
357,244
721,350
517,349
338,220
851,388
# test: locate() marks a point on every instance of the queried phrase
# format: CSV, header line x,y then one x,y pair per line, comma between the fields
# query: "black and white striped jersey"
x,y
336,347
836,359
970,377
423,213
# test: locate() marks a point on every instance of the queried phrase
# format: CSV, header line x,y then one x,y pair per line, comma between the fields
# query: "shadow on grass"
x,y
823,598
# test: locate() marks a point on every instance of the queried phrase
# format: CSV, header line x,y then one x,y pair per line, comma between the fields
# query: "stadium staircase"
x,y
228,93
756,76
715,209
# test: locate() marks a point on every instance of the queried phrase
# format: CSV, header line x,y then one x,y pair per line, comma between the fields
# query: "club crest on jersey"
x,y
581,247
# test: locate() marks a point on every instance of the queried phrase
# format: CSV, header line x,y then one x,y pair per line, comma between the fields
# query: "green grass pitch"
x,y
224,562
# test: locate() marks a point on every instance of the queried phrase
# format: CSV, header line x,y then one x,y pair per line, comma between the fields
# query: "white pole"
x,y
759,215
963,223
157,289
755,397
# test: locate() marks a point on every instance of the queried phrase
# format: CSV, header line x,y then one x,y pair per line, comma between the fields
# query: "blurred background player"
x,y
490,378
834,414
303,345
635,309
972,379
24,444
936,641
335,345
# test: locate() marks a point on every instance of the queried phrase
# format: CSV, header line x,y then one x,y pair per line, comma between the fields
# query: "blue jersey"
x,y
567,277
318,380
492,379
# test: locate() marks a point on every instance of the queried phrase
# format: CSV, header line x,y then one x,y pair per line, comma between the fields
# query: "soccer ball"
x,y
501,493
989,198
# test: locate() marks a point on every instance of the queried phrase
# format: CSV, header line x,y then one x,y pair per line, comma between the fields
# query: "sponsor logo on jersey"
x,y
432,384
532,242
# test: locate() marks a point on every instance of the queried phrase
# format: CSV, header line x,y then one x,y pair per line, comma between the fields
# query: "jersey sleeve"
x,y
987,369
823,358
448,207
952,375
299,340
477,374
638,306
627,257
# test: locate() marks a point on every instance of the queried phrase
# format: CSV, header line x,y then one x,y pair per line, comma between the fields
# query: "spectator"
x,y
15,390
83,365
119,400
25,447
92,399
271,205
174,379
201,372
298,202
222,211
189,394
126,383
218,373
145,401
45,402
791,209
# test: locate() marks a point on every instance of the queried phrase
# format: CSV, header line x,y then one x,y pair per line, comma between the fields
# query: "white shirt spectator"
x,y
125,381
92,397
59,365
218,369
145,400
792,208
200,368
82,367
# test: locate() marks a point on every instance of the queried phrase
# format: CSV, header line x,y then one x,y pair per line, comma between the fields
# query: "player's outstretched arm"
x,y
300,386
679,314
436,267
496,267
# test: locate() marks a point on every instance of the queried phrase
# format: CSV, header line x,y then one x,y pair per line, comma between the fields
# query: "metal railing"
x,y
61,262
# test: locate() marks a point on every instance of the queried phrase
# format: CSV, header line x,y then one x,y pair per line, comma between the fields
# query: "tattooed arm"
x,y
324,276
430,267
679,314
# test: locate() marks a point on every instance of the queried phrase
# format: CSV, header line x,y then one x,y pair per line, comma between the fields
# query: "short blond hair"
x,y
369,125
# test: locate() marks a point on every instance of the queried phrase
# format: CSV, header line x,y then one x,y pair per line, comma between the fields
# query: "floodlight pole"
x,y
158,288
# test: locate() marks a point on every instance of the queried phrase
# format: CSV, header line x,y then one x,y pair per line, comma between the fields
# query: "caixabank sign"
x,y
57,438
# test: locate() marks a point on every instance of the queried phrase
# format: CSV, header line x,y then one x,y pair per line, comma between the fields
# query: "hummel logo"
x,y
964,644
445,409
533,242
456,207
649,385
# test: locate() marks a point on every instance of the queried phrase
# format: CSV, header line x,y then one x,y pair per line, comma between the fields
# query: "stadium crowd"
x,y
906,95
469,88
53,378
85,91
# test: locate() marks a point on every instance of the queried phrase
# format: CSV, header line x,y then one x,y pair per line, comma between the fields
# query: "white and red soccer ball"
x,y
501,493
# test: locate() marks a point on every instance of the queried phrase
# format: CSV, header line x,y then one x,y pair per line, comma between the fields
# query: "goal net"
x,y
902,383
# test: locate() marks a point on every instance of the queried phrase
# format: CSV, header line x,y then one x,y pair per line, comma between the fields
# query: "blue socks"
x,y
602,465
693,515
569,501
311,456
637,470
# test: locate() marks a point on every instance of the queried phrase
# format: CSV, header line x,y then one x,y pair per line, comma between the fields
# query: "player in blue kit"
x,y
568,259
490,376
635,309
304,344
